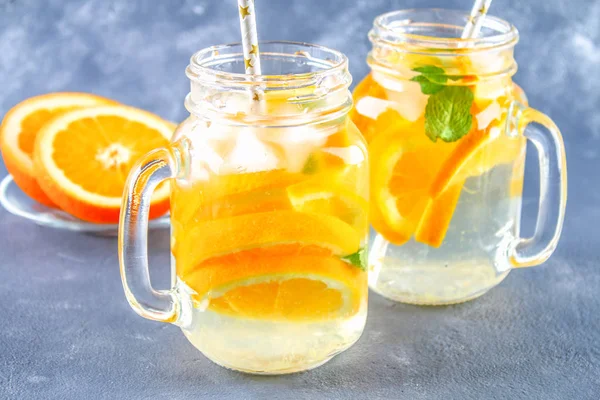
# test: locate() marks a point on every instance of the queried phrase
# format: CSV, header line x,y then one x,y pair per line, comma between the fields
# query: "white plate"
x,y
18,203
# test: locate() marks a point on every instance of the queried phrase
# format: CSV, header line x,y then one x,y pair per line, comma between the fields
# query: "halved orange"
x,y
19,130
288,282
82,159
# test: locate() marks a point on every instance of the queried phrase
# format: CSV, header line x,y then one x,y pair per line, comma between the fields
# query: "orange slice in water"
x,y
222,196
368,87
474,155
19,130
256,201
329,200
436,218
219,237
285,283
339,151
82,159
404,162
225,185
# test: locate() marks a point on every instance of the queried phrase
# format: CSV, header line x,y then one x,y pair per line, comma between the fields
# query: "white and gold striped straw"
x,y
478,12
250,42
249,37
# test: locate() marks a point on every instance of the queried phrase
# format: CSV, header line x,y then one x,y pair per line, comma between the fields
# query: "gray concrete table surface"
x,y
67,332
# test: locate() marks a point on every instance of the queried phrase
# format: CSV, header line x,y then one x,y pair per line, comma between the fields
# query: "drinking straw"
x,y
473,26
250,41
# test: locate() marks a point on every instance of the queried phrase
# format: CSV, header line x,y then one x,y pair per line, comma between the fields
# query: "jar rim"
x,y
409,27
327,62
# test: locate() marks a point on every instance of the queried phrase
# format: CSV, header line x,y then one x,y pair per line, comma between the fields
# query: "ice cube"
x,y
250,154
371,107
489,114
486,62
205,157
236,102
351,155
495,132
409,101
296,143
490,90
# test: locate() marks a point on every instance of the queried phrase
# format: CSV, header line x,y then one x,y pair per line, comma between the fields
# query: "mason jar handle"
x,y
158,305
527,252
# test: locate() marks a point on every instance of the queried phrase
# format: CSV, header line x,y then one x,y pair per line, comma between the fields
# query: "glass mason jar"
x,y
269,212
445,127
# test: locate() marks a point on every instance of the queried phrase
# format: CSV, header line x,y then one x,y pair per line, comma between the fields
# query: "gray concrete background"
x,y
66,331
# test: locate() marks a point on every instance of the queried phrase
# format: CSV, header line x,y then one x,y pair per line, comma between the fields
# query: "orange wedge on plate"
x,y
82,159
19,130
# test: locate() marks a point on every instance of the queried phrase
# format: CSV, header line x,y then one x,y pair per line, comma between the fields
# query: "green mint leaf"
x,y
439,79
358,259
448,114
311,166
427,87
448,111
429,70
432,78
433,74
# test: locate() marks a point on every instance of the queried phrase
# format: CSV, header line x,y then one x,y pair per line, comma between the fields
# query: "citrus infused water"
x,y
269,228
446,168
274,258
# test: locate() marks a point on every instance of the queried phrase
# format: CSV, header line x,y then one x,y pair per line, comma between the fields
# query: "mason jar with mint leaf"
x,y
446,129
